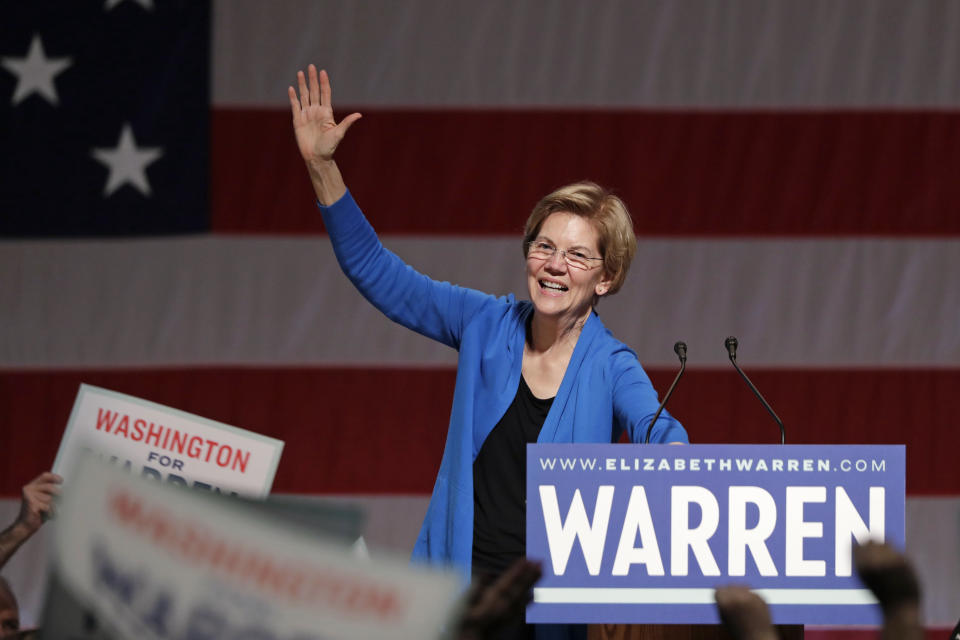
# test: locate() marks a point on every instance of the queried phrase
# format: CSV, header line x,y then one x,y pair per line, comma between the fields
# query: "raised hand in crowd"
x,y
498,602
36,506
317,133
891,578
882,569
744,613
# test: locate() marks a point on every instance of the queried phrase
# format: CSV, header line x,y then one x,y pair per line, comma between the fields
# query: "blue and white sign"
x,y
645,533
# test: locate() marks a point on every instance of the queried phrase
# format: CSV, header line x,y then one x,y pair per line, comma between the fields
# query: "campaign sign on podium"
x,y
645,533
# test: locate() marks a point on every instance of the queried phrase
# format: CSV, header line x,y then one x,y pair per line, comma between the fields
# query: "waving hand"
x,y
318,134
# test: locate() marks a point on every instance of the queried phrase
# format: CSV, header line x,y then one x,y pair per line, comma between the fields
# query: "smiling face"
x,y
557,290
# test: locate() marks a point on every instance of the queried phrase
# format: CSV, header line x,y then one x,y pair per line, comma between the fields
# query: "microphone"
x,y
731,345
679,348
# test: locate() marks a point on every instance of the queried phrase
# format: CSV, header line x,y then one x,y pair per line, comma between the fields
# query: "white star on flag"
x,y
127,163
35,72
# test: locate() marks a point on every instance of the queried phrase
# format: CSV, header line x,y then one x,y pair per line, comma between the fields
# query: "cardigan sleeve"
x,y
635,402
437,310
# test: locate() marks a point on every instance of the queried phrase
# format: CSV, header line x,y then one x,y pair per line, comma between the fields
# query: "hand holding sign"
x,y
36,506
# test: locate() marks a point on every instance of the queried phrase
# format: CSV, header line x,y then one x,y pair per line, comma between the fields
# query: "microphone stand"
x,y
731,344
680,348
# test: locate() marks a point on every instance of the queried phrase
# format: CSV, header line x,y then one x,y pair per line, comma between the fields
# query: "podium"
x,y
677,632
643,534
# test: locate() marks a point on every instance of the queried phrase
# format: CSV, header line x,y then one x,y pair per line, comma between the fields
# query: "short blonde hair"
x,y
605,211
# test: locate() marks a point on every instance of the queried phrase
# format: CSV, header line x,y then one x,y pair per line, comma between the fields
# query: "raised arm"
x,y
893,580
318,134
437,310
744,613
36,505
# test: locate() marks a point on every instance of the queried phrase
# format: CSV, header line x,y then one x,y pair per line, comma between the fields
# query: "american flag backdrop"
x,y
793,169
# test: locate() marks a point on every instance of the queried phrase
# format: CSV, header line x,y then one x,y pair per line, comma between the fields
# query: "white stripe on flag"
x,y
271,301
739,54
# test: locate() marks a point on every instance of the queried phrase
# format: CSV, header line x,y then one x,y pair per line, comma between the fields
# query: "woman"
x,y
540,371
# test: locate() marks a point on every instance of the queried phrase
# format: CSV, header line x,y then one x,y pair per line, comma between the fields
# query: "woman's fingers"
x,y
314,87
304,96
294,103
314,90
318,134
347,122
326,97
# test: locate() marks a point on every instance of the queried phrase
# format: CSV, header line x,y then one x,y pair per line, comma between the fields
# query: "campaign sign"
x,y
166,444
138,559
645,533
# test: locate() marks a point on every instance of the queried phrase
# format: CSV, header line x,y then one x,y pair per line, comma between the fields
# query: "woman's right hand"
x,y
317,132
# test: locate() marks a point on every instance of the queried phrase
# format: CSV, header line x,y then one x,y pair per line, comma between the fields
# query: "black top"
x,y
500,480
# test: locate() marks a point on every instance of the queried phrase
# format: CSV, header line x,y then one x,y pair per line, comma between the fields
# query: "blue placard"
x,y
645,533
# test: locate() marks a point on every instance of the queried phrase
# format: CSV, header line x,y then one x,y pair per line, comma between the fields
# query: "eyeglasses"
x,y
574,257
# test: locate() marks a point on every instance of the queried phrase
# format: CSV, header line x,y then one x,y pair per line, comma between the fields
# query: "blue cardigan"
x,y
604,390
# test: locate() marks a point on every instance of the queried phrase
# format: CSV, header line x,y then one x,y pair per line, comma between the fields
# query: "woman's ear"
x,y
602,287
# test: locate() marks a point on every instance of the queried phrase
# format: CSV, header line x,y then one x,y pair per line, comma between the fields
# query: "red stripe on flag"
x,y
470,172
382,430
